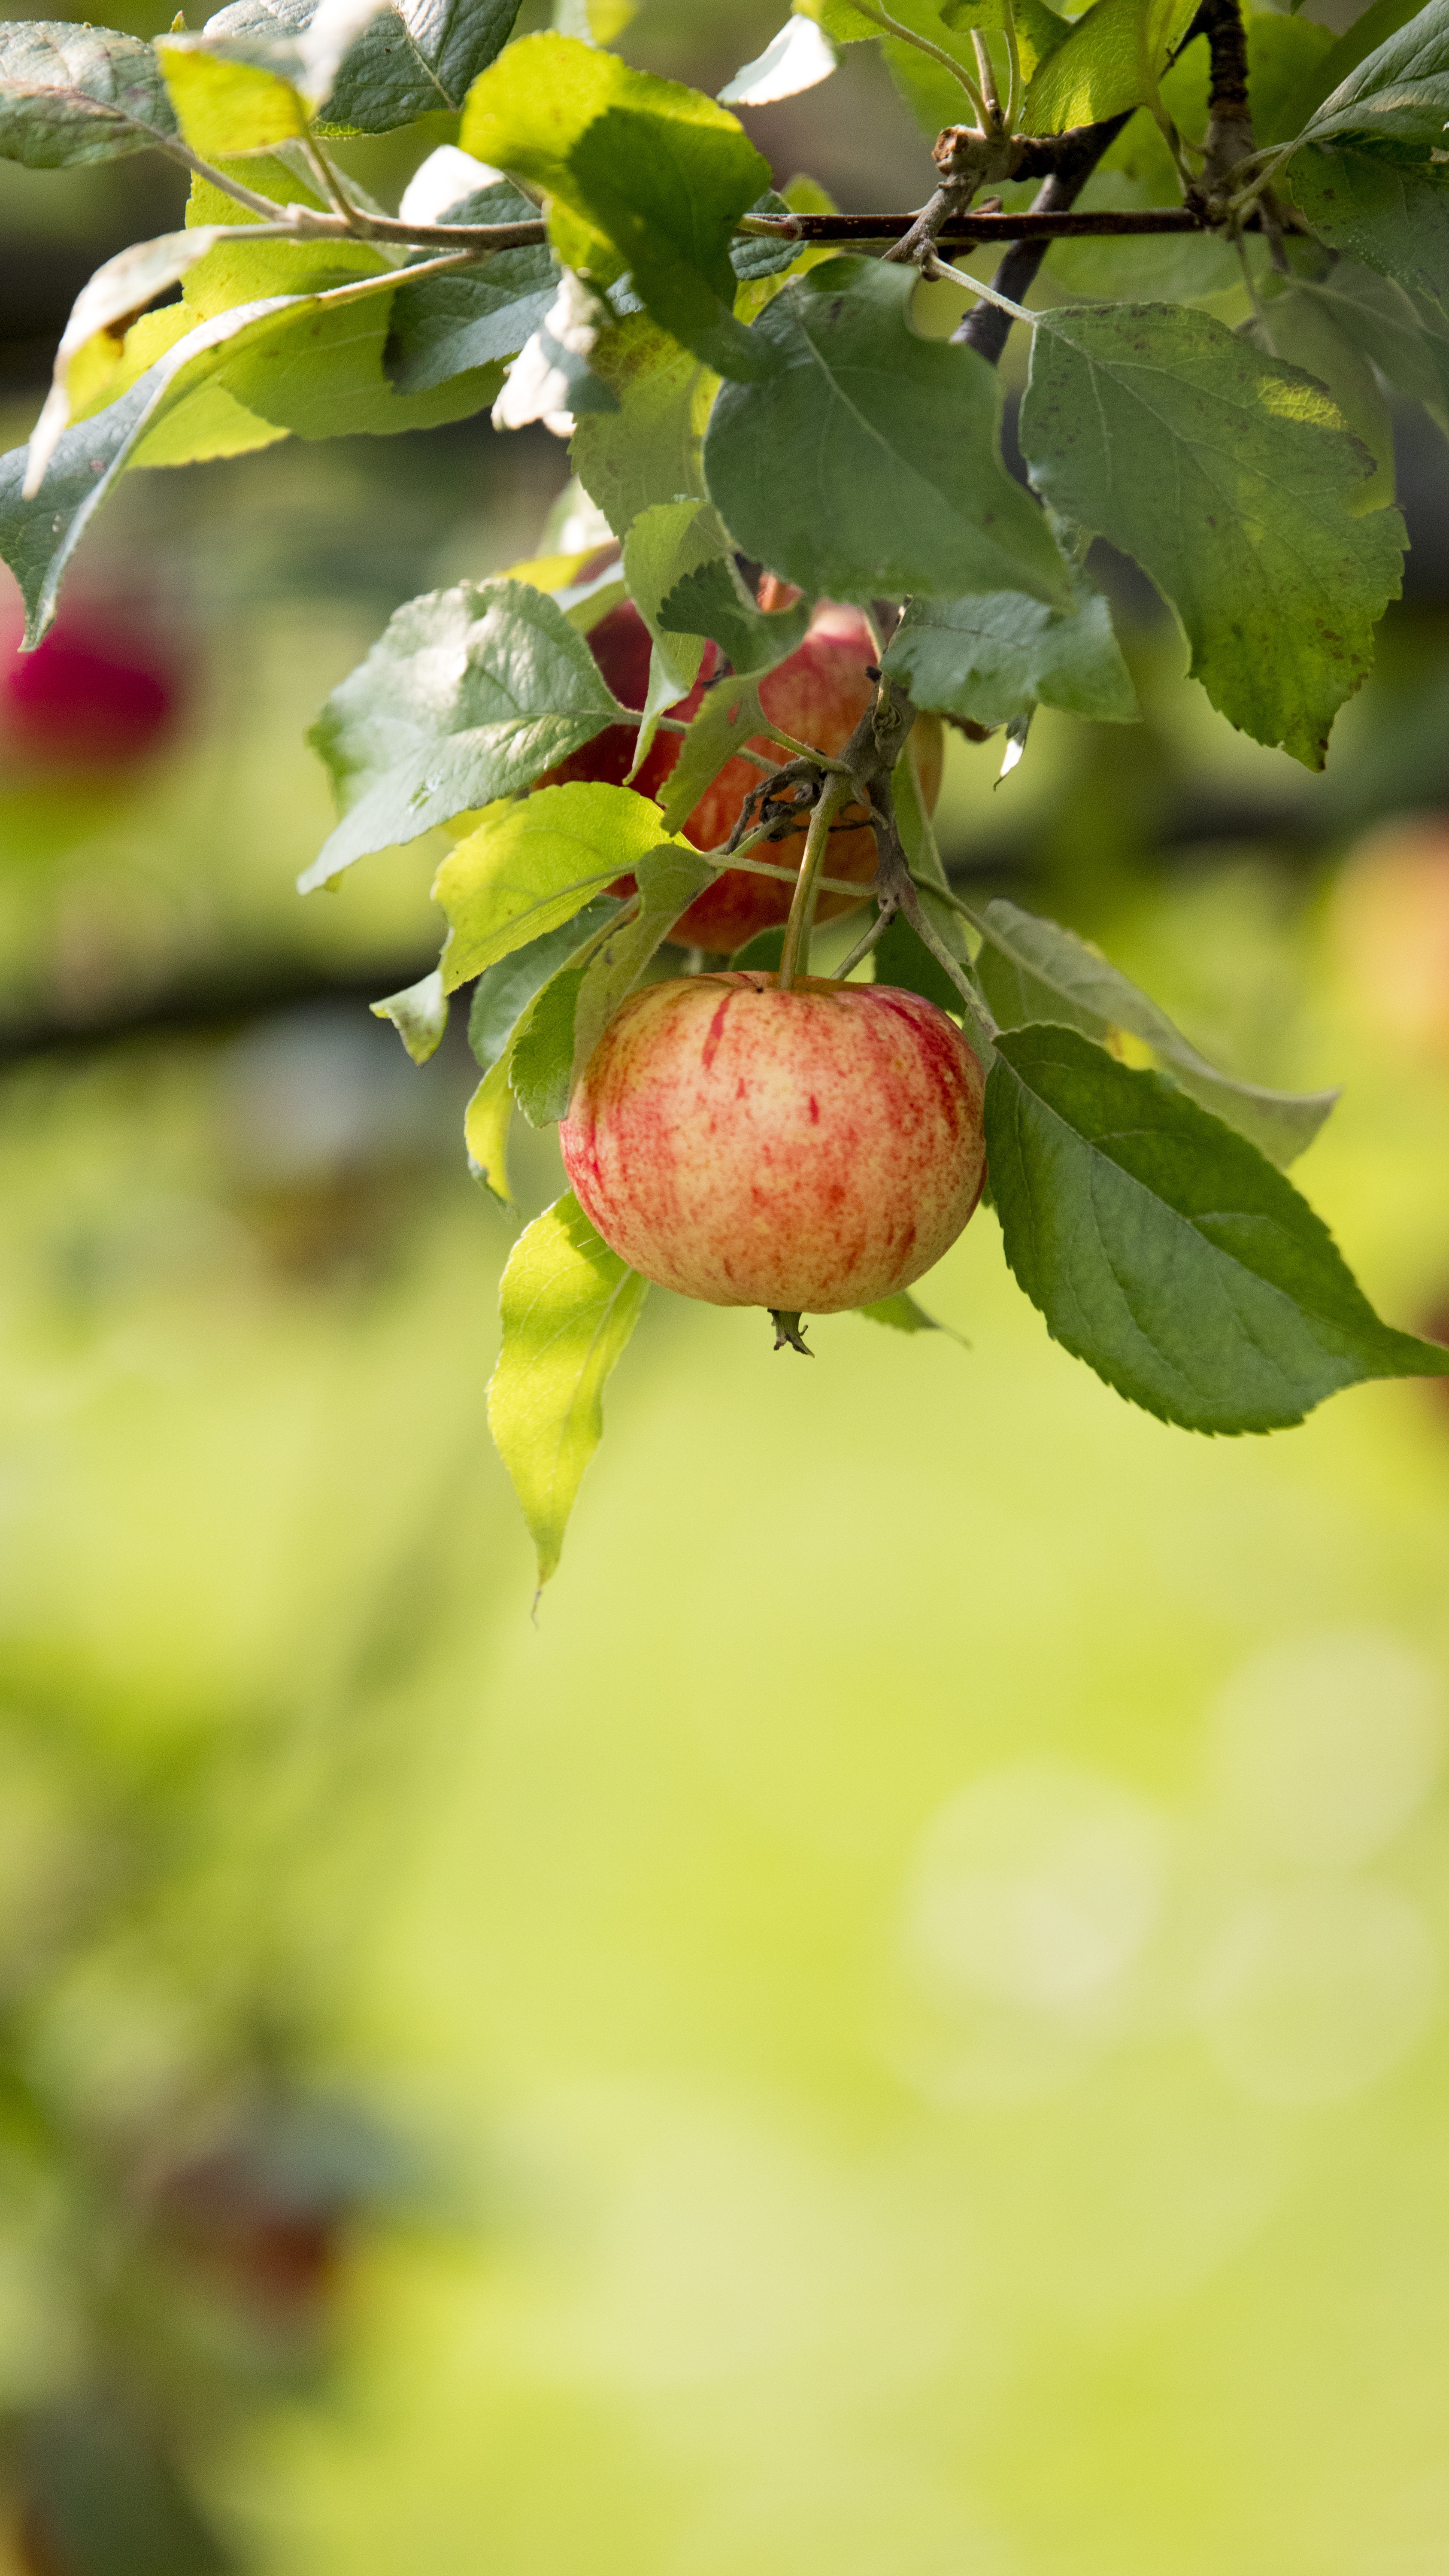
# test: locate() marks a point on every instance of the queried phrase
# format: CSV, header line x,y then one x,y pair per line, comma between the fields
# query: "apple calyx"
x,y
788,1335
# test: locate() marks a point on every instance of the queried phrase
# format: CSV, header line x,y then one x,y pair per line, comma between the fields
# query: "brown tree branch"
x,y
986,326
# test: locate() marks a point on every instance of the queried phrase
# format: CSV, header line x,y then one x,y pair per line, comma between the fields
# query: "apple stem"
x,y
788,1335
795,955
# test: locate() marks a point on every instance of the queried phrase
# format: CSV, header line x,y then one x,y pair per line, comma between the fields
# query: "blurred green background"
x,y
898,2028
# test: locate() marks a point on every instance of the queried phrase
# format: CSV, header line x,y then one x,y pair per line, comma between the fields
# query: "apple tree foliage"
x,y
747,394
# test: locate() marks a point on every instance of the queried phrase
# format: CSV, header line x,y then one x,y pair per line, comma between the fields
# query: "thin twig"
x,y
865,943
331,185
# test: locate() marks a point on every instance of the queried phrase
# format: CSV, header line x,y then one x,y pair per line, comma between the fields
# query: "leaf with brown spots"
x,y
1228,477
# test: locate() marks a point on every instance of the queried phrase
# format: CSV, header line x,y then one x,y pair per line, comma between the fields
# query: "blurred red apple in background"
x,y
818,694
95,693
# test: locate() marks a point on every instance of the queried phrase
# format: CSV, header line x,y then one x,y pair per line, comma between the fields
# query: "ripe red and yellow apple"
x,y
805,1151
818,694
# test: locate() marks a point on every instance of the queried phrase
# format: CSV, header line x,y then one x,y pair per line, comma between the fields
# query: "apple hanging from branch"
x,y
806,1150
819,694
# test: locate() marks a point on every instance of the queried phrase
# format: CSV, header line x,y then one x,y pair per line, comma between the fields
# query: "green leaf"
x,y
226,108
534,863
663,172
903,1315
1227,477
647,451
1284,57
1381,206
419,1013
1334,64
412,60
1400,90
38,536
541,1066
683,581
668,879
924,861
1406,336
470,694
538,1048
90,354
752,256
713,601
444,325
70,94
764,952
994,656
1301,327
486,1122
663,543
728,718
503,992
884,465
1107,63
899,957
1031,969
569,1306
1164,1251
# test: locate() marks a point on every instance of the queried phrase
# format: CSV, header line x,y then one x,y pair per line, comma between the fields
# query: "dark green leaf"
x,y
870,463
997,655
901,958
1297,324
503,993
470,694
1284,57
443,325
1400,90
541,1067
71,94
1407,337
648,452
569,1306
1382,206
712,602
415,59
661,171
764,951
1031,969
1164,1251
668,880
752,256
1227,477
1366,34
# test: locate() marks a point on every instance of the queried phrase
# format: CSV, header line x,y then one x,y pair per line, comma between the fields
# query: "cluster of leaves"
x,y
604,245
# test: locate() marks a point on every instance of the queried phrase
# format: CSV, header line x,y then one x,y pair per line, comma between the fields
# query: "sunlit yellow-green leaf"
x,y
569,1306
